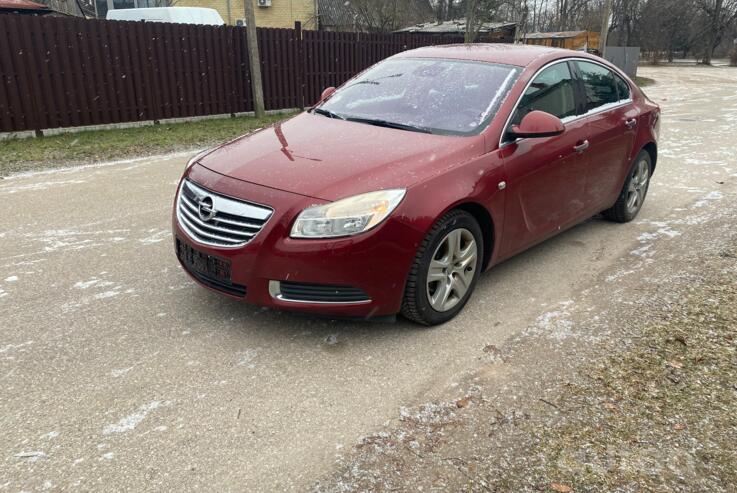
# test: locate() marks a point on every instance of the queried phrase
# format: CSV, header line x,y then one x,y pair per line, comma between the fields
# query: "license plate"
x,y
203,263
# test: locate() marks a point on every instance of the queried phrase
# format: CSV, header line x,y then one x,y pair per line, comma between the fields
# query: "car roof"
x,y
507,54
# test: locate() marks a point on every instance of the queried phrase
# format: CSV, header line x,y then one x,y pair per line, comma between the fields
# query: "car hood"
x,y
329,159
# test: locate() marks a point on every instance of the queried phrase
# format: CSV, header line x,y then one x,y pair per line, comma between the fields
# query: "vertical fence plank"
x,y
171,48
9,96
24,112
40,83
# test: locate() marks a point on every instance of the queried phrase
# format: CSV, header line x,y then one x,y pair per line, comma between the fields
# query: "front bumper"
x,y
376,262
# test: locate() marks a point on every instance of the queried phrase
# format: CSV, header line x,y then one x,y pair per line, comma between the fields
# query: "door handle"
x,y
580,148
630,124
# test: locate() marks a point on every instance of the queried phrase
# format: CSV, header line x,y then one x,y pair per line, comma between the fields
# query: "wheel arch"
x,y
652,149
486,222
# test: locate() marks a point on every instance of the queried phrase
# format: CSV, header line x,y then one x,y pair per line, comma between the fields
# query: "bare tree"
x,y
719,16
389,15
479,12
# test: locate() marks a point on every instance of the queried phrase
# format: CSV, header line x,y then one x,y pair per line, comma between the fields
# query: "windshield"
x,y
451,97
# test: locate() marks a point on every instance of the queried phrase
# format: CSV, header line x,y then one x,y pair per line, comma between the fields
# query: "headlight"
x,y
347,216
196,158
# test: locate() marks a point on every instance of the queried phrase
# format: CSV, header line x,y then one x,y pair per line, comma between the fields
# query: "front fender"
x,y
475,182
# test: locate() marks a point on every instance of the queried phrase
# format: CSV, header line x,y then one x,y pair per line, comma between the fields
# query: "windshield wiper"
x,y
374,81
327,113
386,124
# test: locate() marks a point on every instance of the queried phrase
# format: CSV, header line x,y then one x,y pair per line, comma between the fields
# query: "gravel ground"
x,y
117,372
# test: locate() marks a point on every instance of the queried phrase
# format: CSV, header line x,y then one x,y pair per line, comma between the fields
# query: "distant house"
x,y
44,7
26,7
269,13
572,40
490,32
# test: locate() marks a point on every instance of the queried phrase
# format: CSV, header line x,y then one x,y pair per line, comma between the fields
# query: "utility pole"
x,y
605,16
255,61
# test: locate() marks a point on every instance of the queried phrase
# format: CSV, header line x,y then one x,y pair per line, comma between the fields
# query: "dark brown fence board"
x,y
17,60
8,83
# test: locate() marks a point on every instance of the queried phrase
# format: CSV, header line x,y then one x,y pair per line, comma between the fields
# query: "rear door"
x,y
546,177
612,120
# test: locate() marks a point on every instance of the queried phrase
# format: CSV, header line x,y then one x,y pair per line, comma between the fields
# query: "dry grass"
x,y
660,416
106,145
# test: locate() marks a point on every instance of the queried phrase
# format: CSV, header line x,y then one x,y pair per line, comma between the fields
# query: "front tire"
x,y
445,270
634,191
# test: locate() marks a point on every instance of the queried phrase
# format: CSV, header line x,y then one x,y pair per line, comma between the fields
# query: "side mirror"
x,y
327,93
537,124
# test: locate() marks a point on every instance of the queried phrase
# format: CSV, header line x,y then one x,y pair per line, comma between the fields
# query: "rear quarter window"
x,y
600,85
623,89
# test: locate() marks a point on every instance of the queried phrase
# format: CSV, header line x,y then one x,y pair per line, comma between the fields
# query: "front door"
x,y
546,177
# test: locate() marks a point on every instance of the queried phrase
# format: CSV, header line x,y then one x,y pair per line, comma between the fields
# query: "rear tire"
x,y
633,192
445,270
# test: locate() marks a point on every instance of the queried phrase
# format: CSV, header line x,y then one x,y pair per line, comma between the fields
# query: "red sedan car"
x,y
394,192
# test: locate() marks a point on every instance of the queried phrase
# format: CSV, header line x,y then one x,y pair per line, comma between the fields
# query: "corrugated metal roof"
x,y
21,5
558,35
454,27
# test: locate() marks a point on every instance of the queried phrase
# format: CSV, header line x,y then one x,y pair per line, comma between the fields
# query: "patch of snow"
x,y
106,294
643,251
711,196
246,358
156,237
32,456
331,340
9,347
73,169
11,279
92,282
38,186
120,372
131,421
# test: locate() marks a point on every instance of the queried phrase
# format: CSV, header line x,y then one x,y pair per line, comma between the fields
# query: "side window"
x,y
623,89
552,91
600,85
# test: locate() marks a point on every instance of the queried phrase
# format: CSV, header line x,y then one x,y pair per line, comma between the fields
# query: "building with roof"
x,y
269,13
490,32
26,7
572,40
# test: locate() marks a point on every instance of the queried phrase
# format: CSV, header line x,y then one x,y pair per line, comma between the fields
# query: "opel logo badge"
x,y
205,209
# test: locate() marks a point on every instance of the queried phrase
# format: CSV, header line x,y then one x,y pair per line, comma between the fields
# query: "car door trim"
x,y
569,119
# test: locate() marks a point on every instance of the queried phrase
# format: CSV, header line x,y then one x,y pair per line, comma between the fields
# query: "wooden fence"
x,y
68,72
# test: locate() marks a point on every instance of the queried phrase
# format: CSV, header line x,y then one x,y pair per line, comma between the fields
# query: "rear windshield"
x,y
451,97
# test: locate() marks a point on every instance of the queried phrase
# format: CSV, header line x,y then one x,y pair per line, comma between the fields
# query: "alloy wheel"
x,y
452,269
638,186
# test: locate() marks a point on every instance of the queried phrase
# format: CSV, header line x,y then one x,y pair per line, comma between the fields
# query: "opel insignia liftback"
x,y
395,191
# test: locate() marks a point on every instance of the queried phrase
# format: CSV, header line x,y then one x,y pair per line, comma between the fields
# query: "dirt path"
x,y
117,370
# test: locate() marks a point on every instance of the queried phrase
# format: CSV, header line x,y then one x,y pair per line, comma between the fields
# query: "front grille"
x,y
217,220
321,293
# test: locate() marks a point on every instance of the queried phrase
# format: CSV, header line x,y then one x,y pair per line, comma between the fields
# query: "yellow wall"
x,y
282,13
